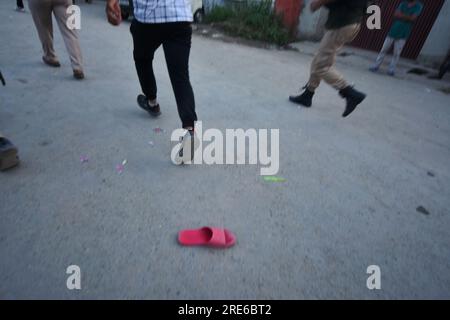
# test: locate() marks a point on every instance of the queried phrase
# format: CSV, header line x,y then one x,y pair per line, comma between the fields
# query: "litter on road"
x,y
274,179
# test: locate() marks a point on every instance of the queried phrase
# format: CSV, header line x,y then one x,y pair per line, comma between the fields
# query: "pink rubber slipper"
x,y
207,236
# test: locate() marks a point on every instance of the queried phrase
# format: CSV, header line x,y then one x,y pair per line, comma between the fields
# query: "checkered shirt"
x,y
162,11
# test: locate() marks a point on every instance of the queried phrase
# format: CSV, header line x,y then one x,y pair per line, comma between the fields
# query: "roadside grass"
x,y
254,20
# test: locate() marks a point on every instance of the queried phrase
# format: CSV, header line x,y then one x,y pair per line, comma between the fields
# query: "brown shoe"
x,y
78,74
51,62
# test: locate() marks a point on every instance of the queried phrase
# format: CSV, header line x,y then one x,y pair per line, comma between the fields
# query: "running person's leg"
x,y
146,39
145,46
177,47
322,68
323,58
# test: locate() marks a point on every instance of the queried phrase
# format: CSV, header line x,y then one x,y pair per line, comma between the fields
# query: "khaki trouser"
x,y
322,65
41,11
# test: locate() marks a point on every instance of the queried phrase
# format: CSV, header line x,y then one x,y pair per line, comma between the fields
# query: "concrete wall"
x,y
312,25
438,42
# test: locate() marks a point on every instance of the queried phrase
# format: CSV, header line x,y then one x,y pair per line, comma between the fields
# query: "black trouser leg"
x,y
20,4
177,47
146,40
176,40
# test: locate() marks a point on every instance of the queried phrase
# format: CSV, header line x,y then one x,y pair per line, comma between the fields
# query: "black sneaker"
x,y
143,103
8,154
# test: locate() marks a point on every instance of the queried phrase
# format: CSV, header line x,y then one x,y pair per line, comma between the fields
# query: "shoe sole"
x,y
142,105
8,159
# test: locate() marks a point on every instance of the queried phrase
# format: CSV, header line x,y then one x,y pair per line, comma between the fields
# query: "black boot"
x,y
305,99
353,98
